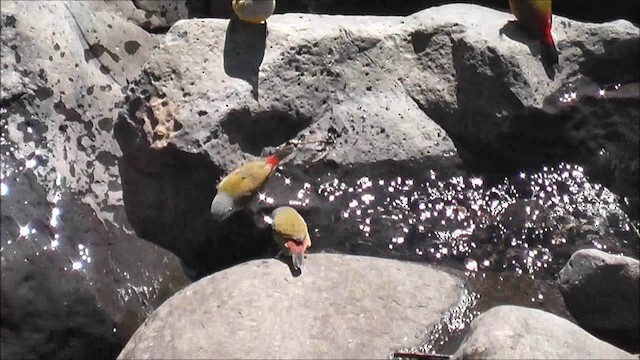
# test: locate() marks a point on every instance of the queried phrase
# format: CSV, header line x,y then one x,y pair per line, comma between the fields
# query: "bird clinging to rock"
x,y
536,17
242,184
253,11
291,233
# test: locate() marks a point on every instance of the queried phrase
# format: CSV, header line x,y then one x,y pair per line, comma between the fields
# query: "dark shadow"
x,y
50,313
244,48
514,31
626,339
269,128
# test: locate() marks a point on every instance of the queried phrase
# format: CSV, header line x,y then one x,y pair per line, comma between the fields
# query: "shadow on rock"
x,y
514,31
244,48
170,207
49,316
594,131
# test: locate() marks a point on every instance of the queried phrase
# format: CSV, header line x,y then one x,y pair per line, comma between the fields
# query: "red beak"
x,y
297,249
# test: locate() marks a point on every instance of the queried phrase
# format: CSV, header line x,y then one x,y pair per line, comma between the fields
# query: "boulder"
x,y
366,96
514,332
341,306
593,11
601,290
65,235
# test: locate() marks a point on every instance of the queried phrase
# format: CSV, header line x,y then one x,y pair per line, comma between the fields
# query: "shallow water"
x,y
509,239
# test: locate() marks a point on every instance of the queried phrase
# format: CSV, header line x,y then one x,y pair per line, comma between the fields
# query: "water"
x,y
509,239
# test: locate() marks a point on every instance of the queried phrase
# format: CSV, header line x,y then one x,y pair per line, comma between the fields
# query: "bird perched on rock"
x,y
535,17
291,233
239,187
253,11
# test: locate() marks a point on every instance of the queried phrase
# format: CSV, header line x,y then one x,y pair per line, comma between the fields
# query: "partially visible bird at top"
x,y
238,188
536,18
253,11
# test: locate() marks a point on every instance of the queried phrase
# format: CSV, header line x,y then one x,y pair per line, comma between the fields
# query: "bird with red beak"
x,y
291,233
238,188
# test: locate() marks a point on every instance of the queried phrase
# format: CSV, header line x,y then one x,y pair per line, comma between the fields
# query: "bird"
x,y
291,233
253,11
536,18
238,188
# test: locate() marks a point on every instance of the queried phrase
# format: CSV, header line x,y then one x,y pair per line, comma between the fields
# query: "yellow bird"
x,y
238,188
253,11
536,18
291,233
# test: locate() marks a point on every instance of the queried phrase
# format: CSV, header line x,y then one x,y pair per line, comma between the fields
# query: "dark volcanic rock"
x,y
601,290
369,96
65,235
48,313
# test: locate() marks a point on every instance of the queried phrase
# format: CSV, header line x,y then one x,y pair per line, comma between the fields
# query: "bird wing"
x,y
246,180
296,230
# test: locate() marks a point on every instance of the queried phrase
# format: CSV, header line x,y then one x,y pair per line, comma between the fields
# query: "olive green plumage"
x,y
253,11
291,233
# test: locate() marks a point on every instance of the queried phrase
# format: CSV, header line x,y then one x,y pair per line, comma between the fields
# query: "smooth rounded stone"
x,y
601,289
515,332
341,306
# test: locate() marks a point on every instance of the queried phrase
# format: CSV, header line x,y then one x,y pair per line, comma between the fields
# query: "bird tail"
x,y
222,206
281,153
549,54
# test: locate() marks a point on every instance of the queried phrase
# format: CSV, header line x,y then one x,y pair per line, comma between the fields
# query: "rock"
x,y
335,305
169,11
62,208
601,289
513,332
49,313
371,97
594,11
154,16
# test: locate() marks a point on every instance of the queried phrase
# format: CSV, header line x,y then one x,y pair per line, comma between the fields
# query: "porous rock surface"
x,y
594,11
76,281
340,307
601,289
515,332
369,95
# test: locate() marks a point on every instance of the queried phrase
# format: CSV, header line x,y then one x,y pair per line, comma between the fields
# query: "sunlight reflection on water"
x,y
519,224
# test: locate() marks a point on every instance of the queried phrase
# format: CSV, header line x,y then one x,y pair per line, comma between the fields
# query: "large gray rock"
x,y
65,236
340,307
601,289
375,95
593,11
513,332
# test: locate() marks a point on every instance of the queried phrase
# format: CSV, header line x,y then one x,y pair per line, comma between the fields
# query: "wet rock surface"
x,y
341,306
601,290
76,281
513,332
